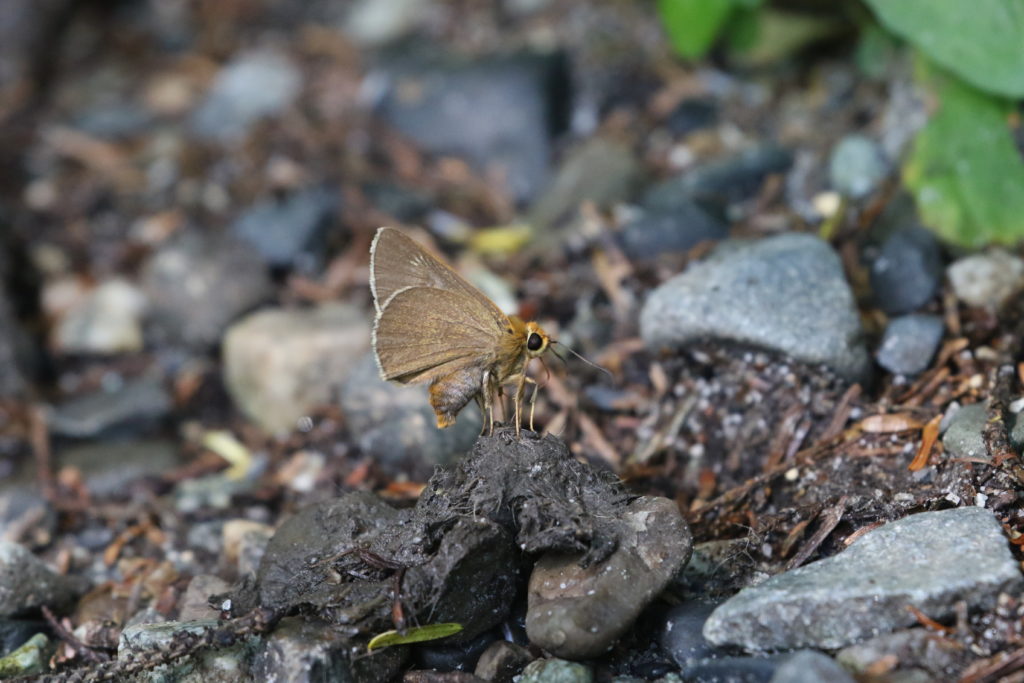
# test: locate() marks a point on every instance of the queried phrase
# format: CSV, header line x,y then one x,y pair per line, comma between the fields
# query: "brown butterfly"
x,y
433,326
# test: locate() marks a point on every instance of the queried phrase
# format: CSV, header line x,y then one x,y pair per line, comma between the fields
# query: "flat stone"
x,y
252,86
732,670
963,437
908,270
135,406
579,612
929,560
909,343
988,279
26,583
786,293
281,364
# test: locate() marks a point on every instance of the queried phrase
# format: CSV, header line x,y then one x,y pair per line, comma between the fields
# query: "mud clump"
x,y
462,554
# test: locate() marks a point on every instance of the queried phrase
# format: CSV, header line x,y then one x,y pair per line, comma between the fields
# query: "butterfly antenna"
x,y
590,363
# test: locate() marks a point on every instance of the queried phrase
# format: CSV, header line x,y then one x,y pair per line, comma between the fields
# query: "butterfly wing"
x,y
397,262
424,333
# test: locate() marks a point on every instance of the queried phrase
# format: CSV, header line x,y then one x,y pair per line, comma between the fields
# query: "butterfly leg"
x,y
533,398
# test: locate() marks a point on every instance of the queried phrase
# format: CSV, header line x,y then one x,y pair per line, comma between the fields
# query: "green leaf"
x,y
693,25
416,634
982,41
964,169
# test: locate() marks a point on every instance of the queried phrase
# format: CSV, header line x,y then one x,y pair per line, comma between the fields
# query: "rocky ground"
x,y
804,463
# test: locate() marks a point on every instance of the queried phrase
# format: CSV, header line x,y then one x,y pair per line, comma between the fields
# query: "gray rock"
x,y
27,660
601,171
281,364
908,270
912,648
111,466
909,343
929,560
290,231
114,120
963,437
198,283
106,321
722,182
137,405
987,279
682,637
195,603
857,166
659,232
555,671
808,666
494,112
210,665
252,86
26,583
502,661
579,612
395,425
302,650
785,293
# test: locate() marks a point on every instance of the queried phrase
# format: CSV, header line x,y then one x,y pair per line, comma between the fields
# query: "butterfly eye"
x,y
534,341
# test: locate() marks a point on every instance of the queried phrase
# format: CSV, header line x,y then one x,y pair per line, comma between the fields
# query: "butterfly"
x,y
433,326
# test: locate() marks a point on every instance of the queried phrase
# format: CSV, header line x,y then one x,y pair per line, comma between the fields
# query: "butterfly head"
x,y
537,340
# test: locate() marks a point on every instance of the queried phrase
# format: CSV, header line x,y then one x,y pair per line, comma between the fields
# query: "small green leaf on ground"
x,y
693,25
964,169
416,634
982,41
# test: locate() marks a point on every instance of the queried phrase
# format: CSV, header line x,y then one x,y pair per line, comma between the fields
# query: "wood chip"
x,y
929,435
887,424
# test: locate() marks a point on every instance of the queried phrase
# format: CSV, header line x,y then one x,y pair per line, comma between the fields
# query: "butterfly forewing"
x,y
424,333
397,262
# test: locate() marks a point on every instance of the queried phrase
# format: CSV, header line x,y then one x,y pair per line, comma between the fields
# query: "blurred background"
x,y
189,188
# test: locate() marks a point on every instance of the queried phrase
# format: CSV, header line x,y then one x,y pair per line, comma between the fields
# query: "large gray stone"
x,y
929,560
785,293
